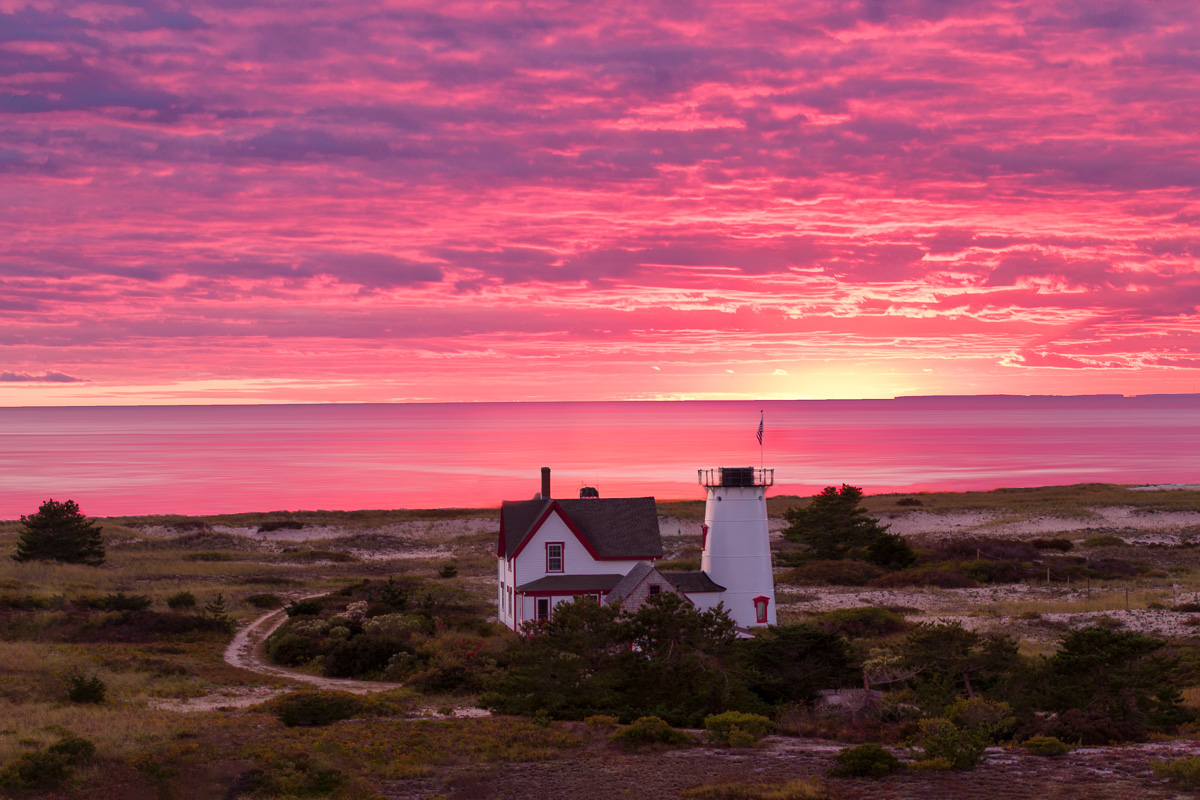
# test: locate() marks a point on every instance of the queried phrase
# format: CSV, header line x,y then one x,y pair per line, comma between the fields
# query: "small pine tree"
x,y
215,611
833,523
59,532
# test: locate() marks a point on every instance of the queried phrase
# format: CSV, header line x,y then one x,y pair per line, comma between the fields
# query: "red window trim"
x,y
703,537
562,557
766,606
537,609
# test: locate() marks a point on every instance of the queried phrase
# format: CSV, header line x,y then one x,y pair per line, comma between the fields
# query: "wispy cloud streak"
x,y
376,201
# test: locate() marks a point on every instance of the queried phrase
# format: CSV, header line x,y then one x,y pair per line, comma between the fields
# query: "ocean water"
x,y
214,459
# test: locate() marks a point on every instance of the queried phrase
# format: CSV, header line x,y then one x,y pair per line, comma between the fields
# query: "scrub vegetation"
x,y
96,660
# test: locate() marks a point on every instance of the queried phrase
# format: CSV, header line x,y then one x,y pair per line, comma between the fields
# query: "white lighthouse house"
x,y
736,546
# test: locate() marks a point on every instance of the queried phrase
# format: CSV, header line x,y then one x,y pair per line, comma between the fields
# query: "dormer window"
x,y
554,557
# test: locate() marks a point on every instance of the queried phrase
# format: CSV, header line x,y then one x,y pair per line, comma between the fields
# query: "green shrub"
x,y
1060,544
994,719
181,600
310,607
931,765
865,761
296,776
291,649
646,731
48,767
740,790
208,555
736,728
862,622
1104,540
448,571
923,576
85,690
1046,746
832,573
601,722
909,501
313,708
280,525
264,600
962,748
120,601
1185,771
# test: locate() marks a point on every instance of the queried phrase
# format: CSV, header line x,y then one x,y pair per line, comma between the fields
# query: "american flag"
x,y
760,430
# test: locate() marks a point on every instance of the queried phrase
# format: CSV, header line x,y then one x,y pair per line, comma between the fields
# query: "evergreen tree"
x,y
833,524
59,532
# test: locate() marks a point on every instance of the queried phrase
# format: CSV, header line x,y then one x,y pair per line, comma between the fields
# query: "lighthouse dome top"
x,y
733,477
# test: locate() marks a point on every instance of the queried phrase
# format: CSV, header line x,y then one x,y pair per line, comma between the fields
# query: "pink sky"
x,y
315,201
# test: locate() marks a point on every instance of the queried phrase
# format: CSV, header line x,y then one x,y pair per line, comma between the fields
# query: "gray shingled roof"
x,y
616,527
687,582
572,583
636,575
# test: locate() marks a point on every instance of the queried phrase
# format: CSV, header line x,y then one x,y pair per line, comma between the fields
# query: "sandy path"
x,y
246,651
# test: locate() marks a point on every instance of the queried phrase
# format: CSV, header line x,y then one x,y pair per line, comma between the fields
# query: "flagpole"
x,y
761,418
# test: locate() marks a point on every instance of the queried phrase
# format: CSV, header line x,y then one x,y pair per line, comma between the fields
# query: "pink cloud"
x,y
322,192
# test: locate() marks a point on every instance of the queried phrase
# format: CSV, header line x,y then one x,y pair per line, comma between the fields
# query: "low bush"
x,y
119,601
85,690
296,775
25,602
865,761
1049,746
601,722
832,573
979,548
311,556
961,748
736,728
310,607
646,731
448,571
280,525
264,600
741,790
909,502
986,571
1185,771
1104,540
291,649
862,622
994,720
314,708
215,556
923,576
1089,727
938,764
48,767
181,600
1062,545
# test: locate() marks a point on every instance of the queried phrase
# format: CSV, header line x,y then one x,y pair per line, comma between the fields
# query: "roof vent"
x,y
588,491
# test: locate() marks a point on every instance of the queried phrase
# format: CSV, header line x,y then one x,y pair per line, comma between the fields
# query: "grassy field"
x,y
56,628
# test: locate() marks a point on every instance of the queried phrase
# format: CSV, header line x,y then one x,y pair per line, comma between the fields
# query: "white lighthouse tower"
x,y
736,547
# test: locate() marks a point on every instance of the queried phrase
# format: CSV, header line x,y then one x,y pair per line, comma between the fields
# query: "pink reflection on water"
x,y
194,460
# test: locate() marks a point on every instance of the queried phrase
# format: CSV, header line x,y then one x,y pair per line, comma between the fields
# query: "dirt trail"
x,y
246,651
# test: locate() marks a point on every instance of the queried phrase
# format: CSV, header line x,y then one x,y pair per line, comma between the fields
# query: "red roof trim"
x,y
571,527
